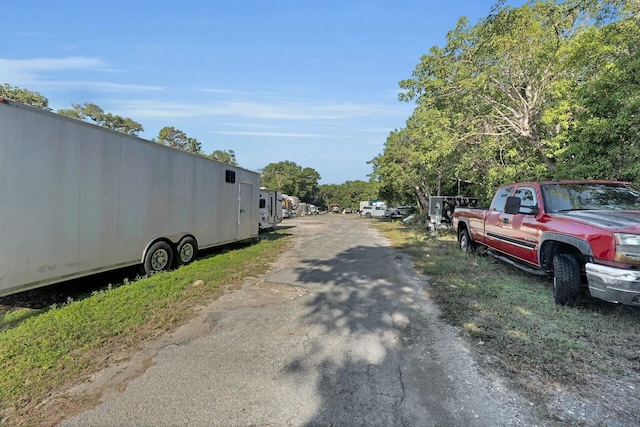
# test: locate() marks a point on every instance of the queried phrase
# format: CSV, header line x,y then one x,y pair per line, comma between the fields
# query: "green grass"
x,y
42,349
511,315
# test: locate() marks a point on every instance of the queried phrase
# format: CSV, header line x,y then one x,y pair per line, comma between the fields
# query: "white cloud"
x,y
30,67
99,86
277,134
37,72
296,111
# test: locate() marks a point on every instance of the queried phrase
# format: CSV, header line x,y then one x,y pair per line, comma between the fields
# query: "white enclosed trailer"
x,y
78,199
269,209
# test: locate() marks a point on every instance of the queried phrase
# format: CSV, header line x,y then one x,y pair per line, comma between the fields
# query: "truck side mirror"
x,y
512,206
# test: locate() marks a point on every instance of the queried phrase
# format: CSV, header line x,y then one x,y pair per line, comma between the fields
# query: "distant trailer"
x,y
79,199
441,208
269,209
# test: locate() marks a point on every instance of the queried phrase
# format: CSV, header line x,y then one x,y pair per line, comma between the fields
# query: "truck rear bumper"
x,y
614,284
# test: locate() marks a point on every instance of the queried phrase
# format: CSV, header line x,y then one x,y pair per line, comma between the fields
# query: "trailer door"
x,y
245,210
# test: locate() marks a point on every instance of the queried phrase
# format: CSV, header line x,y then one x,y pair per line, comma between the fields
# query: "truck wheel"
x,y
158,258
187,250
465,242
566,278
367,215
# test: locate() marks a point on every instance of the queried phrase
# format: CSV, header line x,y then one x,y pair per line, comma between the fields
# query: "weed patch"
x,y
43,349
511,315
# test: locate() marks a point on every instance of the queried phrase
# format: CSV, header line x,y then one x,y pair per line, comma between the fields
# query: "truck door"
x,y
520,239
495,220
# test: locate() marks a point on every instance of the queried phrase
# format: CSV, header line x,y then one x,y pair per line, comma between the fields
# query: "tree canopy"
x,y
289,178
228,157
92,112
35,99
348,194
521,95
175,138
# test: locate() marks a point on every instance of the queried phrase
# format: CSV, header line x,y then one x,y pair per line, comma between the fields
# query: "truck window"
x,y
501,199
561,197
527,197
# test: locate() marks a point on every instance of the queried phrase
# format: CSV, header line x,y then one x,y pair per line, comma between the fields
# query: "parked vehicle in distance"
x,y
269,209
80,199
393,213
334,208
441,209
566,229
291,203
405,210
347,211
373,211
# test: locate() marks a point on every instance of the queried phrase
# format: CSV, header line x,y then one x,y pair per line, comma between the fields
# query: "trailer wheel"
x,y
158,258
187,250
566,279
464,241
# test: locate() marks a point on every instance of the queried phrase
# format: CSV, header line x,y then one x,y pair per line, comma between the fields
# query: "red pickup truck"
x,y
571,230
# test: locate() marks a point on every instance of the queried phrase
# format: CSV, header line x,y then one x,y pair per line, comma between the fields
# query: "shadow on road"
x,y
368,310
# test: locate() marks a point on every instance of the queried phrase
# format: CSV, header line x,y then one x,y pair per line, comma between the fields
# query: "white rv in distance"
x,y
290,205
269,209
78,199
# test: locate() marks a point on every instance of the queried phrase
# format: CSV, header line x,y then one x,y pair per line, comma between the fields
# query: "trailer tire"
x,y
187,250
566,279
158,258
464,241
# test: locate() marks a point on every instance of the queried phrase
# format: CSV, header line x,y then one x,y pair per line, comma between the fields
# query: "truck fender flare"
x,y
465,221
580,244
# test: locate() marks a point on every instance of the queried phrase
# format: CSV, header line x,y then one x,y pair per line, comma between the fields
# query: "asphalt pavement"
x,y
339,332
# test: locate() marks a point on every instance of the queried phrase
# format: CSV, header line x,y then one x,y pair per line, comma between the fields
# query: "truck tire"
x,y
566,279
367,215
187,250
464,241
159,258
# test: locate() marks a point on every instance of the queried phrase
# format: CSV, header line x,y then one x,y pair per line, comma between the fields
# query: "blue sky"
x,y
312,82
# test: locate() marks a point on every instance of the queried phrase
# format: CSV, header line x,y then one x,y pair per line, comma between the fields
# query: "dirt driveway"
x,y
338,332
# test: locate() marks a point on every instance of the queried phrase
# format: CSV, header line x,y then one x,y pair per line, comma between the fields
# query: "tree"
x,y
418,161
289,178
176,138
496,103
505,75
604,139
35,99
348,195
92,112
228,157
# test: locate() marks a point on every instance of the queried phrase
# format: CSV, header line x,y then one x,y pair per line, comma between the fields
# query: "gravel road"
x,y
338,332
